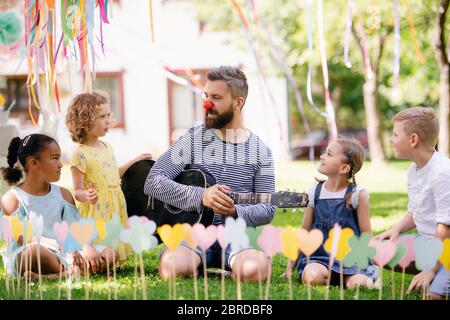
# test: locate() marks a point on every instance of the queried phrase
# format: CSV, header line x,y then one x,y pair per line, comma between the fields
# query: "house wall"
x,y
128,49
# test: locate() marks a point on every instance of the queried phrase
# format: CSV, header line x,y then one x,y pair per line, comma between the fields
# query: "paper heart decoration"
x,y
360,251
92,222
172,236
220,236
27,231
61,230
290,243
37,223
428,252
82,232
235,233
253,234
385,251
188,235
143,219
139,235
6,230
204,237
410,256
337,246
16,227
71,245
310,241
270,240
113,228
445,256
100,225
399,254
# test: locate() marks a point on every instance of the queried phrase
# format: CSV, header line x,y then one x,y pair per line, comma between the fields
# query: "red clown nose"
x,y
208,105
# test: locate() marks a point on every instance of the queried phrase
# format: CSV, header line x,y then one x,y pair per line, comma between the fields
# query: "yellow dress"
x,y
101,172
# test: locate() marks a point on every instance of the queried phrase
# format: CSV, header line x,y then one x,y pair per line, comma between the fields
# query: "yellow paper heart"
x,y
16,227
29,232
188,235
445,256
290,243
101,229
172,236
309,241
343,246
82,233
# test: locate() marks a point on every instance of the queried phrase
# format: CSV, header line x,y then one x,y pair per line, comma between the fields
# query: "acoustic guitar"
x,y
161,213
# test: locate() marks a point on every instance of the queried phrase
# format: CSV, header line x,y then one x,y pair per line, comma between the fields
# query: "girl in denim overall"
x,y
337,200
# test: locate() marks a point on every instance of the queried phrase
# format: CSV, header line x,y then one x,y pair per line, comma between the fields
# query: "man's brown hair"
x,y
421,121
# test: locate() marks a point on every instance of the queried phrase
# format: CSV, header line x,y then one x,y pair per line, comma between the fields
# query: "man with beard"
x,y
237,159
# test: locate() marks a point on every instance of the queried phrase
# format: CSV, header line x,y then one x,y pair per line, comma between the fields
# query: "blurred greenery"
x,y
287,22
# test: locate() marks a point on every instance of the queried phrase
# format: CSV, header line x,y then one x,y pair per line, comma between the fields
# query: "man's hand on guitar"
x,y
216,198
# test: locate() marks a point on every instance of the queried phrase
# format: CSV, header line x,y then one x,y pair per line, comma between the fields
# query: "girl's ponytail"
x,y
10,173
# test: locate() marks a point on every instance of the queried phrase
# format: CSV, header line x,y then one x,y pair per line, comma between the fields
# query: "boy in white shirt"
x,y
414,137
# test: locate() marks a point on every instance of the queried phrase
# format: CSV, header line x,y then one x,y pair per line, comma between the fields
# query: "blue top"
x,y
52,206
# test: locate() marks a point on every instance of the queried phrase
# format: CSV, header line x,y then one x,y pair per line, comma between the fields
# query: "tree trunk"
x,y
444,79
376,150
444,110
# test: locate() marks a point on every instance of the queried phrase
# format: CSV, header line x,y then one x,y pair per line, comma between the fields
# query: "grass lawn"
x,y
388,200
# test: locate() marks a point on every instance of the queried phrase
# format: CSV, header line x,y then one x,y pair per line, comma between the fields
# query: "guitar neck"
x,y
251,198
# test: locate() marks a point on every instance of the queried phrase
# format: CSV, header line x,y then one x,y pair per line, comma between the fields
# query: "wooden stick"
x,y
144,286
238,287
107,273
114,276
290,285
393,283
308,285
194,268
135,276
20,270
402,289
269,276
174,283
59,283
222,285
327,288
341,281
39,270
25,272
357,287
260,284
169,283
205,276
86,279
380,292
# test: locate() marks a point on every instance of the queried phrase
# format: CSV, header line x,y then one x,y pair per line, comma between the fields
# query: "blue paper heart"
x,y
427,252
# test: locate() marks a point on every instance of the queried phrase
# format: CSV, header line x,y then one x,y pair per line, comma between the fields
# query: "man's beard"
x,y
220,120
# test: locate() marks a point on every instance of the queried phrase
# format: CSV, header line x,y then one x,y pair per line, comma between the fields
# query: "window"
x,y
112,83
184,105
14,88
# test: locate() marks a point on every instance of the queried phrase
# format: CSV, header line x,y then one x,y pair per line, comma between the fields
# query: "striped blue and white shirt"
x,y
244,167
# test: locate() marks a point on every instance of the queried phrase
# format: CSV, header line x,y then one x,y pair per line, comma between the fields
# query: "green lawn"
x,y
388,199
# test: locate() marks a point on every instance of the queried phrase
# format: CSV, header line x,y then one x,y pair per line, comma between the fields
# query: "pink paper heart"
x,y
61,230
220,236
385,251
410,256
270,240
205,237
